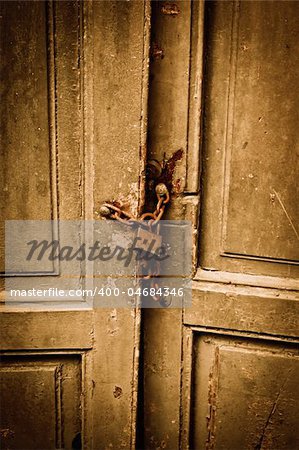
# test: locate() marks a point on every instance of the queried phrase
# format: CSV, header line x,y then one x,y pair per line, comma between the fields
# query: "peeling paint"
x,y
212,400
130,201
117,392
6,433
156,51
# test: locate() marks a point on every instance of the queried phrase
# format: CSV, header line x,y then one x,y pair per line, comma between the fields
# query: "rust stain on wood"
x,y
6,433
156,51
169,169
117,392
170,9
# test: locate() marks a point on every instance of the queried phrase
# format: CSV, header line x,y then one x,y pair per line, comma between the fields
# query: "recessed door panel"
x,y
244,394
250,157
40,401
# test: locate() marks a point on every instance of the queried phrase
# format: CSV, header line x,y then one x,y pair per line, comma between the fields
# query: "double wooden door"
x,y
90,91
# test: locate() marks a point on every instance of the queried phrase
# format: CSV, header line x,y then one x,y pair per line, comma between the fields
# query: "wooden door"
x,y
73,122
223,374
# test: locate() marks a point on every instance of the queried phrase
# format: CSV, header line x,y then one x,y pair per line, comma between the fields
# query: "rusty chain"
x,y
148,219
109,210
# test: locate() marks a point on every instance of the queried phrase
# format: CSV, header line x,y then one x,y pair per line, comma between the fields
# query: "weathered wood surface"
x,y
74,134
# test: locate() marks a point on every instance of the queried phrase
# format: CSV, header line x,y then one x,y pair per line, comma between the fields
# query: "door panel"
x,y
263,67
41,117
45,329
48,401
250,167
29,90
73,117
233,355
244,394
41,109
241,308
